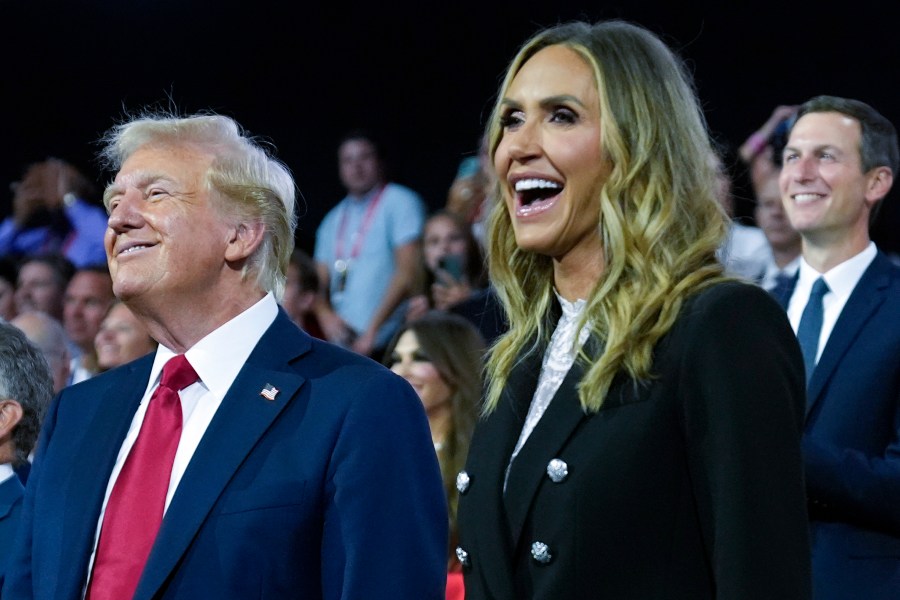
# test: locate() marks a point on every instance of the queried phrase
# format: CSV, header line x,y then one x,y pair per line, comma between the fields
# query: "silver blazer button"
x,y
463,556
558,470
540,552
462,482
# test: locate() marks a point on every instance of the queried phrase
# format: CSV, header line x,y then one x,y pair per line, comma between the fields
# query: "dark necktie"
x,y
810,327
134,511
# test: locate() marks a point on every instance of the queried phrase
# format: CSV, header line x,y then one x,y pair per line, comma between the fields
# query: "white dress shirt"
x,y
217,359
6,471
840,279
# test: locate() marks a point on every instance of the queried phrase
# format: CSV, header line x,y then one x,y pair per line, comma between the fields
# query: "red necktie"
x,y
135,507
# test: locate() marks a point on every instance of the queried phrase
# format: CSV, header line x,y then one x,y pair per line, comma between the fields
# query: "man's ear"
x,y
10,415
878,184
245,239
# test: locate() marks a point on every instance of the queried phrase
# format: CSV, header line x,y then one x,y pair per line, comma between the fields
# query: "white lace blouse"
x,y
558,359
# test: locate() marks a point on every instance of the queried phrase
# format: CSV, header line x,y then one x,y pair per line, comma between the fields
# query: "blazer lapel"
x,y
242,419
521,384
563,415
865,299
82,497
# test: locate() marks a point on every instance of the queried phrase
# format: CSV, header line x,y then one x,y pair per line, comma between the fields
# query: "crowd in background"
x,y
387,280
371,273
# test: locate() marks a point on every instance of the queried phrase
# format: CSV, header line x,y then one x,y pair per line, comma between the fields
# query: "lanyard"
x,y
361,232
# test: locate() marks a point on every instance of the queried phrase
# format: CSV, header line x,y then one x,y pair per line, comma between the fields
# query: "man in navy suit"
x,y
839,164
297,470
26,388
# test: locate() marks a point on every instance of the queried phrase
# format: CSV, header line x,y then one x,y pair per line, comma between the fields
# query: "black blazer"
x,y
688,486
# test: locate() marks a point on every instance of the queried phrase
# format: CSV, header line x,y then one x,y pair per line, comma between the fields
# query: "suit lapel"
x,y
865,299
563,415
242,419
521,384
114,405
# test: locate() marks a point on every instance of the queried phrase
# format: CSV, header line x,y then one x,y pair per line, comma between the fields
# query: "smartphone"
x,y
453,264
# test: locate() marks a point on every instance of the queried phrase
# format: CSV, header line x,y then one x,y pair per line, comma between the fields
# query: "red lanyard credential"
x,y
360,234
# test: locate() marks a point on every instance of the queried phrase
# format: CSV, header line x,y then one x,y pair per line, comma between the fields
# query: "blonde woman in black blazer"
x,y
642,423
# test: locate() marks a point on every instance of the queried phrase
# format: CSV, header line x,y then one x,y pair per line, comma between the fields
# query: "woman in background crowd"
x,y
122,338
440,356
453,265
300,290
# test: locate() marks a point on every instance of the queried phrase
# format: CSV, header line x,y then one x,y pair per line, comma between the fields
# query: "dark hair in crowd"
x,y
306,269
24,377
62,267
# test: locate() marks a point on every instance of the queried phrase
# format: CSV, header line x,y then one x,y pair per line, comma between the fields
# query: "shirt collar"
x,y
841,279
219,357
571,310
6,471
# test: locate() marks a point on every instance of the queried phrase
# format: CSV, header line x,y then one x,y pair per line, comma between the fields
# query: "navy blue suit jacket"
x,y
331,490
11,492
852,445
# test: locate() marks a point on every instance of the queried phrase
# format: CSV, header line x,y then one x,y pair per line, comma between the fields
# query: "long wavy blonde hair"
x,y
660,223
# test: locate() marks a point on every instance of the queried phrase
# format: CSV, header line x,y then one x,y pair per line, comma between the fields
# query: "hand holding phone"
x,y
453,265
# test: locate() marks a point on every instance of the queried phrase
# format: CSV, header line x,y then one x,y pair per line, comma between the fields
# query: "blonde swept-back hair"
x,y
660,223
254,185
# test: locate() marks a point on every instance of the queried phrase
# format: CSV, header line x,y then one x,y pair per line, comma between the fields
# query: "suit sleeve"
x,y
18,579
743,399
385,519
853,454
848,485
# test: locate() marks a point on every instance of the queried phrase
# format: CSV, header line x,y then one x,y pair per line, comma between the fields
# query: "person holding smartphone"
x,y
452,265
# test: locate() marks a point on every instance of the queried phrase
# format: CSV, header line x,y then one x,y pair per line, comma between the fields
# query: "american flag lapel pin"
x,y
269,391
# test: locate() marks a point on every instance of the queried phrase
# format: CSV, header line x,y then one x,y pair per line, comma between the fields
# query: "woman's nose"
x,y
525,141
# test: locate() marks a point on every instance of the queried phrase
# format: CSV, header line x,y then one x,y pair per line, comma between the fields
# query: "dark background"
x,y
421,75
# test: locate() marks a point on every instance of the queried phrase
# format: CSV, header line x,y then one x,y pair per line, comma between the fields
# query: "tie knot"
x,y
178,373
819,288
